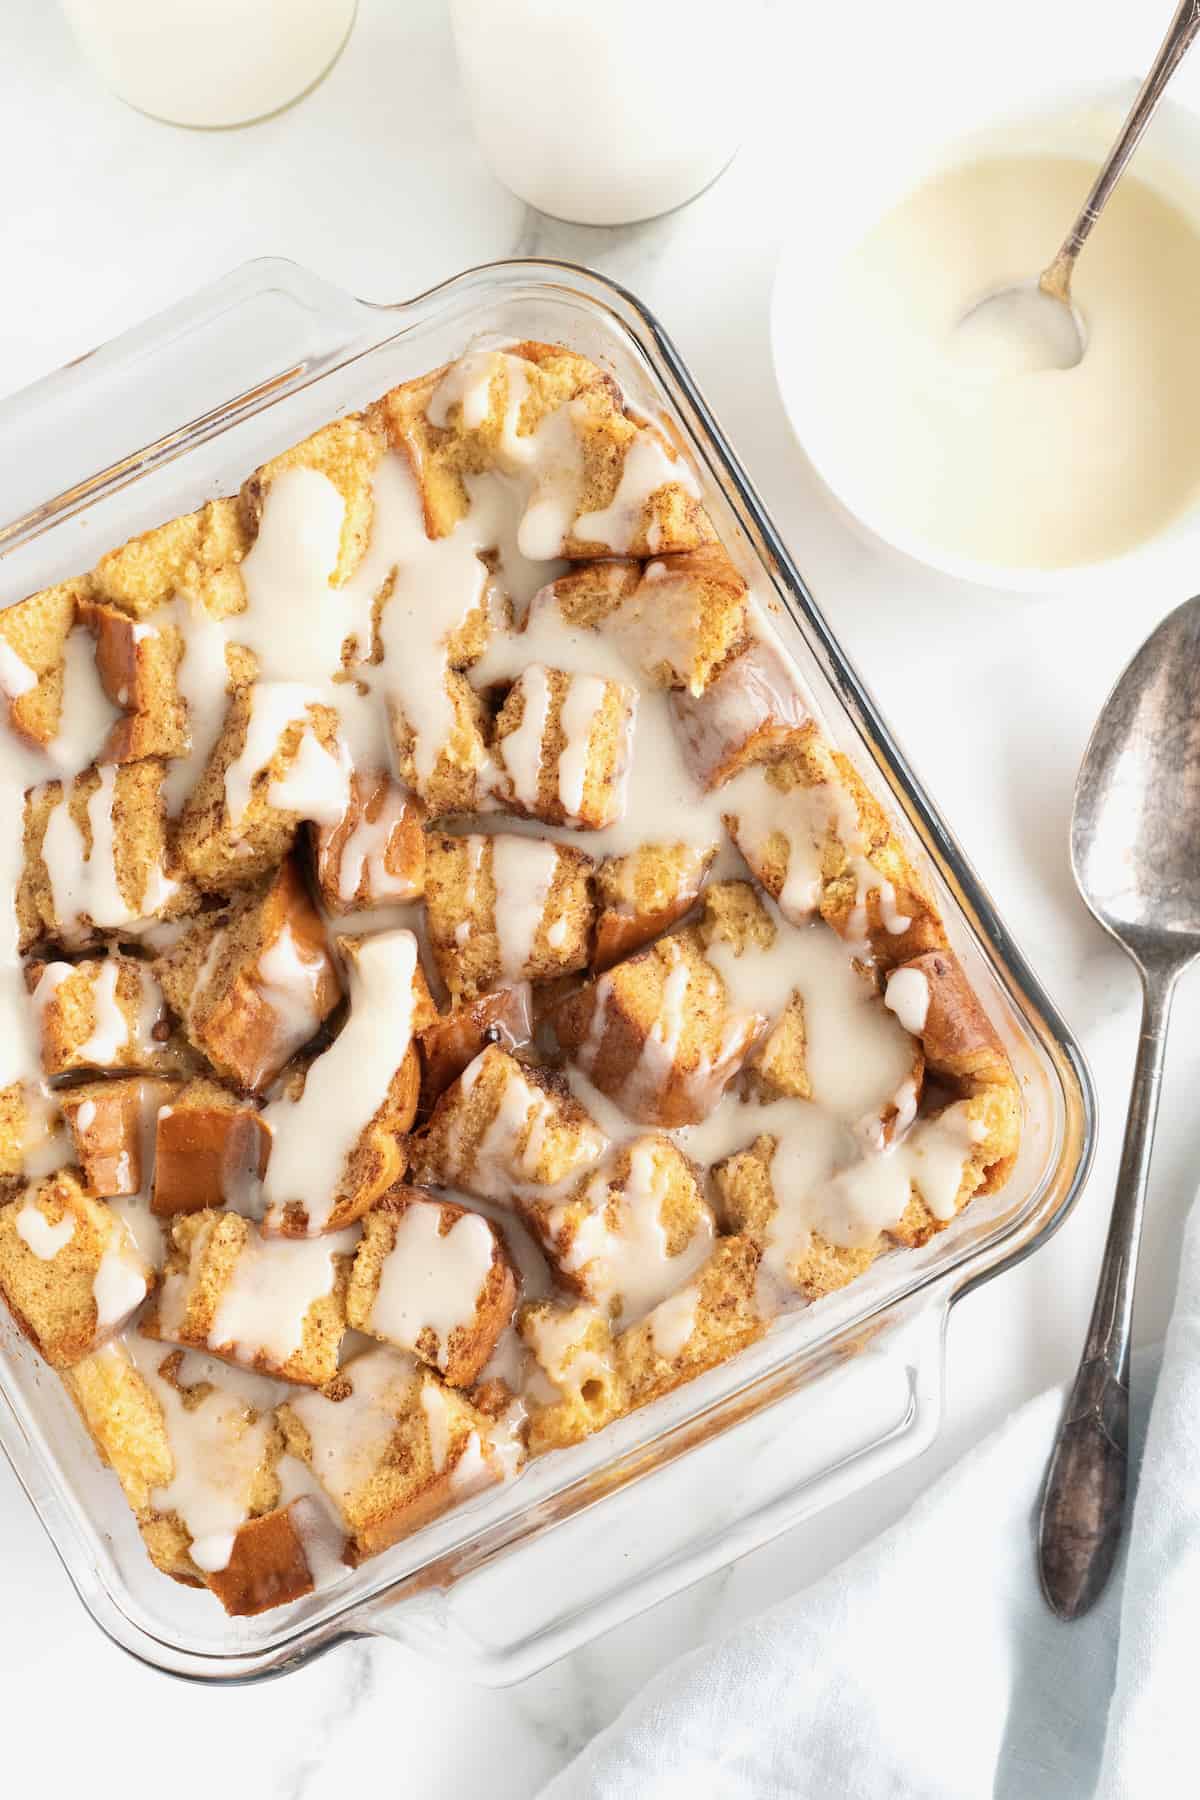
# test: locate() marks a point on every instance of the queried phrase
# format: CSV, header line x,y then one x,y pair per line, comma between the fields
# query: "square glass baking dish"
x,y
180,409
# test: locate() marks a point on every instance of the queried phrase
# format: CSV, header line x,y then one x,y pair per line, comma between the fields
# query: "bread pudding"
x,y
455,990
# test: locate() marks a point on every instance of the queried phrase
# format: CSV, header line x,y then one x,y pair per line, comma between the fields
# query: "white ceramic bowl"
x,y
1083,123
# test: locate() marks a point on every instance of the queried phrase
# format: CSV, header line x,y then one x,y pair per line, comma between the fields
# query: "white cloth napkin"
x,y
928,1664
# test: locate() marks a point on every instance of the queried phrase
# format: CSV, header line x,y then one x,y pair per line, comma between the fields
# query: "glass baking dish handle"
x,y
540,1601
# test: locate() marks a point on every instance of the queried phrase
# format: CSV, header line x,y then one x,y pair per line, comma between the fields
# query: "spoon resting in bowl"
x,y
1030,325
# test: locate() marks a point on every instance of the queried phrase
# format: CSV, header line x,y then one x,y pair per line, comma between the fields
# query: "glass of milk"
x,y
210,62
604,114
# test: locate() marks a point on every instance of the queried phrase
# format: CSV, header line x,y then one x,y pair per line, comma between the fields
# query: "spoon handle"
x,y
1083,1501
1180,32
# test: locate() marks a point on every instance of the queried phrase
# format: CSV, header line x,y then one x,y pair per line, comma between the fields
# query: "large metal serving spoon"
x,y
1033,324
1135,850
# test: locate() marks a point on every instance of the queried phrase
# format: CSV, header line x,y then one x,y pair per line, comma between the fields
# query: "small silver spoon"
x,y
1135,851
1034,324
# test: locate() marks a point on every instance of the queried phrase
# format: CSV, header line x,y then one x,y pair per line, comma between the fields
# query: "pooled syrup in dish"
x,y
952,432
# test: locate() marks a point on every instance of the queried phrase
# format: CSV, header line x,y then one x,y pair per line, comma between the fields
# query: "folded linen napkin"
x,y
928,1664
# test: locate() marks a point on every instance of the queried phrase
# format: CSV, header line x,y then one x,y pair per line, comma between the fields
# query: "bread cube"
x,y
446,774
658,1034
112,1125
633,1230
588,595
562,745
197,554
254,983
374,855
210,1150
101,1013
432,1278
644,893
476,414
752,705
504,1128
503,1017
505,908
684,618
278,762
33,648
598,483
390,1446
275,1305
819,842
340,1143
347,453
96,859
710,1319
574,1389
69,1269
198,1464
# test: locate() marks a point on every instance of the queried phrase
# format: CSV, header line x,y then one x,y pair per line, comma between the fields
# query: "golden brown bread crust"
x,y
110,1121
138,667
268,1566
643,893
210,1148
456,1038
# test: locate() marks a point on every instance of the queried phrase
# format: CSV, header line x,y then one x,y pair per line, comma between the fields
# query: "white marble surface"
x,y
374,181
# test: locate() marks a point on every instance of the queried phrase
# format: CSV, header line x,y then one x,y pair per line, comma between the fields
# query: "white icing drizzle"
x,y
523,870
346,1085
856,1054
122,1280
44,1239
363,856
626,1258
86,715
16,677
274,1282
289,981
111,1033
646,468
521,750
431,1280
673,1321
274,705
907,996
584,698
316,783
349,1437
85,882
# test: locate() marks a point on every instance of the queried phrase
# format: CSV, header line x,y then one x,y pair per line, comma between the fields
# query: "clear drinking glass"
x,y
607,114
211,62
